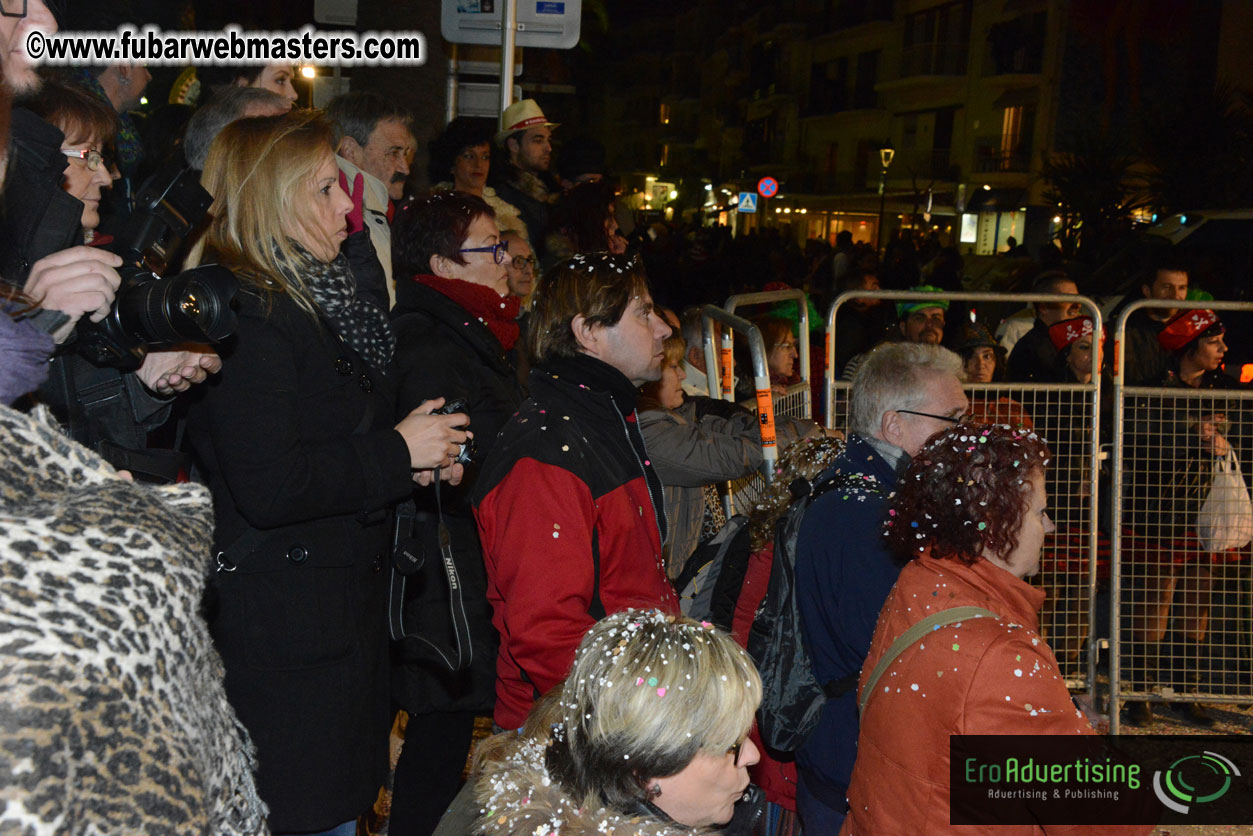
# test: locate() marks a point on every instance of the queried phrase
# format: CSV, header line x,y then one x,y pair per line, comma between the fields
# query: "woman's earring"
x,y
654,791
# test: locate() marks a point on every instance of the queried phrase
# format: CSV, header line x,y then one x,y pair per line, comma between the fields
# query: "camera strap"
x,y
408,561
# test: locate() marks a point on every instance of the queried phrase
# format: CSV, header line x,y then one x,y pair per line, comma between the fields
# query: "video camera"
x,y
151,311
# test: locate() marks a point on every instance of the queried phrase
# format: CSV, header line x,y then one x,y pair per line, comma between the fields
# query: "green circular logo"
x,y
1194,779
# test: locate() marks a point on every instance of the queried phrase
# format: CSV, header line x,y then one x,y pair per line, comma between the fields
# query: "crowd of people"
x,y
457,457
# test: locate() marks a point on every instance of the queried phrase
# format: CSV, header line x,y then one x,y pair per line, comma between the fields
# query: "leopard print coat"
x,y
113,717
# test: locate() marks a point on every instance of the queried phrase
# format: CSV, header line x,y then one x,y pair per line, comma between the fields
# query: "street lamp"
x,y
886,153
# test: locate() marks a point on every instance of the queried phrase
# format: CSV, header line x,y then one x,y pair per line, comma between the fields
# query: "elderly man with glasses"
x,y
520,266
903,393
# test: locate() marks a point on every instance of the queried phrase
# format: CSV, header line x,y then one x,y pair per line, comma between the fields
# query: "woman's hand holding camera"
x,y
434,440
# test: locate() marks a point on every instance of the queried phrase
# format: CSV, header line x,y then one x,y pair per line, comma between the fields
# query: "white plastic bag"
x,y
1226,517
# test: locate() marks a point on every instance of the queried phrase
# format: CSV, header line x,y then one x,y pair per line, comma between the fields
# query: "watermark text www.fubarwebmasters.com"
x,y
150,45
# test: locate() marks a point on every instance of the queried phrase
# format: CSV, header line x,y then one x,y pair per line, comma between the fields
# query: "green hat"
x,y
904,309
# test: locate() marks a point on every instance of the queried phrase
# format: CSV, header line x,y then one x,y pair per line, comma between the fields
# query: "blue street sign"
x,y
767,187
748,202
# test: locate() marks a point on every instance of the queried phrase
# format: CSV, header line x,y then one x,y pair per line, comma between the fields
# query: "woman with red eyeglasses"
x,y
87,122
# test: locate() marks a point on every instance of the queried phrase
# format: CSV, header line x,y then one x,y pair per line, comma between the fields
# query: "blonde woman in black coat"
x,y
301,449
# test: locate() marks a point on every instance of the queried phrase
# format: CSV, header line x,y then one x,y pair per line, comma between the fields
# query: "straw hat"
x,y
522,115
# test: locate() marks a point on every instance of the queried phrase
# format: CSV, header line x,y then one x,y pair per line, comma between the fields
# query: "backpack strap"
x,y
943,618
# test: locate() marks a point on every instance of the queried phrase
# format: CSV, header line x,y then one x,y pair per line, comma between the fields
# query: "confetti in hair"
x,y
968,484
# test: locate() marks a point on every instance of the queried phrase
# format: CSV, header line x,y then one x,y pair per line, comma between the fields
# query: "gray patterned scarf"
x,y
361,324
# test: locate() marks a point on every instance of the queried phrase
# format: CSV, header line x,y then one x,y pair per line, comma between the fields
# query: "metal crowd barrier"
x,y
1180,623
741,495
761,375
1064,414
797,402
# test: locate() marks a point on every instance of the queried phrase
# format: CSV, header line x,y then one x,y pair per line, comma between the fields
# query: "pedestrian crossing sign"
x,y
748,202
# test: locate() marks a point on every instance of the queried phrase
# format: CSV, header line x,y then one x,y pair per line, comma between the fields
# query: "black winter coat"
x,y
295,437
1146,362
443,351
1034,358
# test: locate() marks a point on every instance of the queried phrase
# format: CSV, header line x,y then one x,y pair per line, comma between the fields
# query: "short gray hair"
x,y
894,376
358,113
228,104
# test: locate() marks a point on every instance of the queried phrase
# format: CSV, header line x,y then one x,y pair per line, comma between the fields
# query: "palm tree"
x,y
1096,187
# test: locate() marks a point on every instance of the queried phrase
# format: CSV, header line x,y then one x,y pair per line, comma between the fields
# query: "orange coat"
x,y
986,676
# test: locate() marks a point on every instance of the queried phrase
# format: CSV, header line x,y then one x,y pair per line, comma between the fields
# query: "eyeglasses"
x,y
949,418
734,750
13,8
785,346
93,157
525,262
498,251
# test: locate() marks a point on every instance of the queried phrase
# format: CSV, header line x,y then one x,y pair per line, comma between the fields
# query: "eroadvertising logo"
x,y
1095,780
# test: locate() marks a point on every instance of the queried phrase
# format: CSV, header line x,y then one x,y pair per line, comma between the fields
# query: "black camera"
x,y
466,454
151,311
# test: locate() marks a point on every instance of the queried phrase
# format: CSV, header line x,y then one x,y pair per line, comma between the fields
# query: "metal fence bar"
x,y
1178,605
1072,412
761,375
1090,308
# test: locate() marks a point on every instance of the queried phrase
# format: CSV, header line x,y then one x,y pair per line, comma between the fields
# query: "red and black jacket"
x,y
571,518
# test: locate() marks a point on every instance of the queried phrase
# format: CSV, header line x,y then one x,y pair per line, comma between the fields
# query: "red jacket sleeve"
x,y
536,526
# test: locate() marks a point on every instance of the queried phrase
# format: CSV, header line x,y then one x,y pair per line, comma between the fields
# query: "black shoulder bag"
x,y
429,625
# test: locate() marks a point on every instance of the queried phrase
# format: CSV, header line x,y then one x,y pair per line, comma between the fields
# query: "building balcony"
x,y
924,164
934,59
815,183
774,91
992,156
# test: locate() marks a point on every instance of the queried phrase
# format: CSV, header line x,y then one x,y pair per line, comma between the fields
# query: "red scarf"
x,y
498,313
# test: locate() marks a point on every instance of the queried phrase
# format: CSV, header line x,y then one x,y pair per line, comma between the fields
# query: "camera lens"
x,y
194,306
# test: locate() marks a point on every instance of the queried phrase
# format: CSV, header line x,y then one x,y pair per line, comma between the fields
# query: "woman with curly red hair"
x,y
970,512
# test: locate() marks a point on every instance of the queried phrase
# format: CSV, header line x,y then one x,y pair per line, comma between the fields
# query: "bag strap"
x,y
943,618
461,653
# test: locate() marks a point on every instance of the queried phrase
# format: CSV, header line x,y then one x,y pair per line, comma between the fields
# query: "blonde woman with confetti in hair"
x,y
647,735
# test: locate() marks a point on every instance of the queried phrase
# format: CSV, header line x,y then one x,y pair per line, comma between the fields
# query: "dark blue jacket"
x,y
843,576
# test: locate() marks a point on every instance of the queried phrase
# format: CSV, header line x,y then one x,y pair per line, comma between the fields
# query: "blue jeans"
x,y
817,817
348,828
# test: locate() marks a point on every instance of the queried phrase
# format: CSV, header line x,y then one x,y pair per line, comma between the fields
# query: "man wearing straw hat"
x,y
526,137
